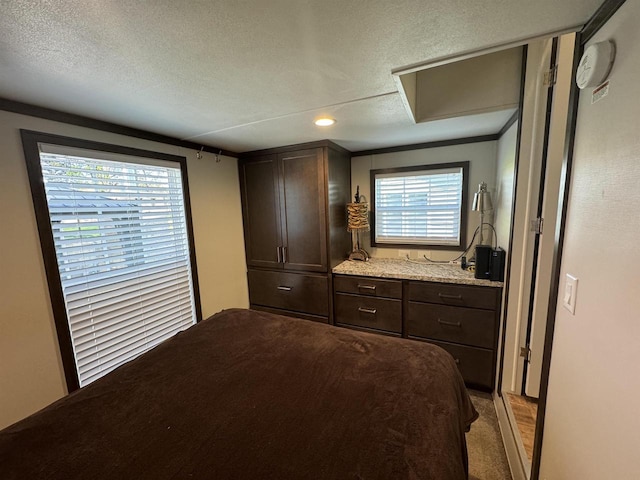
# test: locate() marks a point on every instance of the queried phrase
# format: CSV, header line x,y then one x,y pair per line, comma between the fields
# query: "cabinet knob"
x,y
282,254
449,297
372,311
367,287
450,324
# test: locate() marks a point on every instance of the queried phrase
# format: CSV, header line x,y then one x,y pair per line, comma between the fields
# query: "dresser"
x,y
440,304
295,226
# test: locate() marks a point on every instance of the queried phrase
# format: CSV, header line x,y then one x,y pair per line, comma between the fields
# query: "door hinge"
x,y
536,225
551,76
525,352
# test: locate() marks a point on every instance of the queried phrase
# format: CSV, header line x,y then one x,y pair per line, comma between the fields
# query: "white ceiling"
x,y
243,75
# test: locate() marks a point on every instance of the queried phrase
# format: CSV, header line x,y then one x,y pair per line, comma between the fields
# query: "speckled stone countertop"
x,y
411,270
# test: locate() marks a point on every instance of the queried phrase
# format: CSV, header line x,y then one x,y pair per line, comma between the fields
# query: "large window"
x,y
421,206
116,224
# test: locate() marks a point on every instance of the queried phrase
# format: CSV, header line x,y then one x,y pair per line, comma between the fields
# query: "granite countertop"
x,y
412,270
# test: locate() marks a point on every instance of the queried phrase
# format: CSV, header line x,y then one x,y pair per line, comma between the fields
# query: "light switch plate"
x,y
570,293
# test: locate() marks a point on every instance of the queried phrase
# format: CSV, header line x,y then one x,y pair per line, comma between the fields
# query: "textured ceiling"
x,y
251,74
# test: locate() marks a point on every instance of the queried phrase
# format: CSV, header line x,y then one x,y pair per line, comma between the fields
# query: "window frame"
x,y
30,143
416,169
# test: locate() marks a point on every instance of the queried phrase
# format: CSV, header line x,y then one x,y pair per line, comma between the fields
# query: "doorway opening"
x,y
545,105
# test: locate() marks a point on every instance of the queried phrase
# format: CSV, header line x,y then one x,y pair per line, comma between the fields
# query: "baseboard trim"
x,y
518,471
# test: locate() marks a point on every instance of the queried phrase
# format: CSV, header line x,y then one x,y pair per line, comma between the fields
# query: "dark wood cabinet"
x,y
295,292
368,303
303,210
261,211
294,210
461,319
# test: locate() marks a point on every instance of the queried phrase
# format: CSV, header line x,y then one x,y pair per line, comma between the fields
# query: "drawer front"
x,y
290,291
468,326
377,313
374,287
455,295
287,313
475,364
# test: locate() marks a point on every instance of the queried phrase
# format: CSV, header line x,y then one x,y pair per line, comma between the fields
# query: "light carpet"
x,y
487,458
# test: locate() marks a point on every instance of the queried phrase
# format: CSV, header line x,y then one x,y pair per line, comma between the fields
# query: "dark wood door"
x,y
303,208
261,210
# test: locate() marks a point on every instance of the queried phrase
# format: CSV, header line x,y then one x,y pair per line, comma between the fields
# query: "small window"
x,y
117,247
422,206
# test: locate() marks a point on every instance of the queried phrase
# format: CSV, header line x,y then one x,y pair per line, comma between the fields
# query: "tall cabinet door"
x,y
261,205
303,207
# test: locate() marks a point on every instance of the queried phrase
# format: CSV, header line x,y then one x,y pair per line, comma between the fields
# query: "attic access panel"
x,y
481,84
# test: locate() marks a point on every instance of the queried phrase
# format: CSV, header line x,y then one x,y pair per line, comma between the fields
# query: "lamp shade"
x,y
482,199
358,216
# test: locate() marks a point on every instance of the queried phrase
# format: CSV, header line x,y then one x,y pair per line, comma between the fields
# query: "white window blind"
x,y
121,243
420,207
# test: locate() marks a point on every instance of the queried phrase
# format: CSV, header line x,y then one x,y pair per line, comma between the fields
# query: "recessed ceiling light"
x,y
325,121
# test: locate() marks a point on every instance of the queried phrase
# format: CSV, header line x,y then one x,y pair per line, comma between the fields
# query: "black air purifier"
x,y
483,261
490,263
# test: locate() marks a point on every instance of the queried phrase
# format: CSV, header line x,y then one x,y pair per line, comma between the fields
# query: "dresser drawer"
x,y
475,364
290,291
468,326
374,287
455,295
377,313
287,313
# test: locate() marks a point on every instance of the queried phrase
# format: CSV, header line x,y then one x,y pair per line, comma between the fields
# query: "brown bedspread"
x,y
250,395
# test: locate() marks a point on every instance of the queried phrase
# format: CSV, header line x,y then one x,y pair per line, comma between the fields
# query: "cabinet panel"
x,y
452,324
455,295
261,211
369,312
303,197
475,364
287,313
374,287
290,291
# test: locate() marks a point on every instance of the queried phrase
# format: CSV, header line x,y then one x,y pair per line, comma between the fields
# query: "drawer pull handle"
x,y
450,324
457,361
367,287
450,297
286,289
372,311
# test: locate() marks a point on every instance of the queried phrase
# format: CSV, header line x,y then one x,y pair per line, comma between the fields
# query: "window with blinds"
x,y
120,234
418,206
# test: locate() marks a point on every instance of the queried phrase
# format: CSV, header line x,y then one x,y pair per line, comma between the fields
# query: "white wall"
x,y
592,423
31,374
482,168
503,198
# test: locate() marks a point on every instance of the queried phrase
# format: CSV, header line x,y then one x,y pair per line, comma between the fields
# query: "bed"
x,y
252,395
